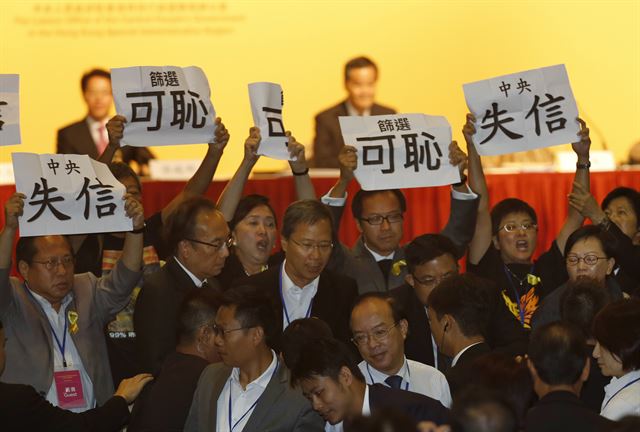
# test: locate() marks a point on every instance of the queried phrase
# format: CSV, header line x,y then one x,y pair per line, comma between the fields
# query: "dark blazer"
x,y
562,411
332,303
462,373
156,313
280,408
504,334
164,403
359,264
23,409
418,407
328,140
76,139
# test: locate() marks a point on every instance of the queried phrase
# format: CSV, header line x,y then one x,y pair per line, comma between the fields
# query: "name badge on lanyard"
x,y
69,389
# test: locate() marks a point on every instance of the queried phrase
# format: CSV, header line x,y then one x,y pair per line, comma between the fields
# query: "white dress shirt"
x,y
71,354
96,133
296,301
242,402
622,396
416,377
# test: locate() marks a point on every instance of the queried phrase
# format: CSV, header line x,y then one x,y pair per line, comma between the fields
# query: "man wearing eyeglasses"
x,y
588,256
199,239
301,286
54,319
376,261
430,261
249,390
379,330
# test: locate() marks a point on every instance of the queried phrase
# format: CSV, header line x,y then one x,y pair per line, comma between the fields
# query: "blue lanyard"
x,y
406,384
515,291
61,346
284,304
616,393
231,425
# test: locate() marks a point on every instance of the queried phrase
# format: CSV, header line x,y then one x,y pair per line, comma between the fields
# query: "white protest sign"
x,y
164,105
400,150
68,194
9,109
523,111
266,106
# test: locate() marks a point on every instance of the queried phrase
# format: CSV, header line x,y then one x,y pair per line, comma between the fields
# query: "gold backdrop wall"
x,y
426,50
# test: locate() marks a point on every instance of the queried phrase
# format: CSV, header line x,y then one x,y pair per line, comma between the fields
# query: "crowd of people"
x,y
226,333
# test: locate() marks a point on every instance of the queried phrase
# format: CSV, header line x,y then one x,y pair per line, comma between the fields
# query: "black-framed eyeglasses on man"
x,y
53,263
220,331
378,335
217,246
377,219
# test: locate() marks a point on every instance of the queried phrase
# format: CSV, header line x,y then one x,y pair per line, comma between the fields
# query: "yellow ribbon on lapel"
x,y
396,268
73,321
533,279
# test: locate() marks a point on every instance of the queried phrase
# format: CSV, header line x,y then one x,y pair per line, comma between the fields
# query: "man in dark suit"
x,y
431,258
249,390
198,237
377,260
301,287
334,384
89,135
458,310
23,409
360,77
559,365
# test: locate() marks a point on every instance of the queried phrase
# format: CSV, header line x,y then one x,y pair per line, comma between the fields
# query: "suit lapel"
x,y
86,140
184,282
216,389
368,265
267,400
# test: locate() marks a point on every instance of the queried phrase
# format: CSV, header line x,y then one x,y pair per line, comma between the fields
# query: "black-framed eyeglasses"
x,y
377,219
378,335
590,259
308,247
510,227
67,261
216,246
220,331
430,280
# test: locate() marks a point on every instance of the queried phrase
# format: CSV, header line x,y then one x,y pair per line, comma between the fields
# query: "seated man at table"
x,y
54,319
360,78
505,240
377,261
337,390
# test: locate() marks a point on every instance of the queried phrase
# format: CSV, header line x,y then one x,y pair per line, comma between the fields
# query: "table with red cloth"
x,y
427,208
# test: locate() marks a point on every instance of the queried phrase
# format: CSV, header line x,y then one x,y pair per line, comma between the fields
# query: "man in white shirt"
x,y
249,390
337,390
379,330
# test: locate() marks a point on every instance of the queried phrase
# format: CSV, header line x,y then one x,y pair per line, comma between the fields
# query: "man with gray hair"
x,y
301,286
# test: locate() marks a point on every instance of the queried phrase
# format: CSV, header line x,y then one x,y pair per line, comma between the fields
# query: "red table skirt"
x,y
427,208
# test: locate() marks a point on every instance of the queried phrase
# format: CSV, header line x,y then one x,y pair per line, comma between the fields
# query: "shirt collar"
x,y
379,376
263,380
46,304
354,112
617,384
366,408
95,124
193,277
289,286
376,255
457,357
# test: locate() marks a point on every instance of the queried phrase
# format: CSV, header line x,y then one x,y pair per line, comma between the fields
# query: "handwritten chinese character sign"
x,y
523,111
266,106
68,194
9,109
400,151
164,105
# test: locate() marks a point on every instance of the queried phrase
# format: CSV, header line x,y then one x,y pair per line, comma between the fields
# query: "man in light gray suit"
x,y
54,320
377,261
250,390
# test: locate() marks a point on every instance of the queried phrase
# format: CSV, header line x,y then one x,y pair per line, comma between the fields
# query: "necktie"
x,y
385,267
103,141
394,381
